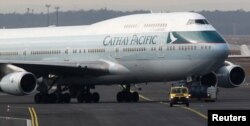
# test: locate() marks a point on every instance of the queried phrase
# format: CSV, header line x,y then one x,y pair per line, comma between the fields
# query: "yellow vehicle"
x,y
179,95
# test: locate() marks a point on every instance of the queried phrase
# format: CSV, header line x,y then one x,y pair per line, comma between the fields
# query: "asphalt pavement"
x,y
153,109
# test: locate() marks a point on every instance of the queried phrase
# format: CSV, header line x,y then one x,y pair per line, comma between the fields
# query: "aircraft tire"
x,y
66,98
52,98
128,96
135,97
120,96
80,98
88,97
60,98
95,97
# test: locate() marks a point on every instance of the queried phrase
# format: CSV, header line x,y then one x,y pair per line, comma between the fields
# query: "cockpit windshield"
x,y
194,37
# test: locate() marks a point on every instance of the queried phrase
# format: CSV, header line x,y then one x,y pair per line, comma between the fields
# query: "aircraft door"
x,y
117,53
66,54
161,45
24,51
161,51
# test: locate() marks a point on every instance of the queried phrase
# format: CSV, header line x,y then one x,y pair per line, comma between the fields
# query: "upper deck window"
x,y
130,26
197,21
156,25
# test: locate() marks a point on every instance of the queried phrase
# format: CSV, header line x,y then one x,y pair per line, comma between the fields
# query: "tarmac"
x,y
152,109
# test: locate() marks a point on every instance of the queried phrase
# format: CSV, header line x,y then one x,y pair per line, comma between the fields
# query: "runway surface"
x,y
153,109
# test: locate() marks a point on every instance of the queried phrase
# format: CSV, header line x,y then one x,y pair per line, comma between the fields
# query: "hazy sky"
x,y
21,6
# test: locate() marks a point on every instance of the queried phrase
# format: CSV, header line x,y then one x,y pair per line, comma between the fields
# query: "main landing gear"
x,y
126,96
52,98
64,95
86,96
56,97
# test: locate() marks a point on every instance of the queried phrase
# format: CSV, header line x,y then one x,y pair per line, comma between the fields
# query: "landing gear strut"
x,y
86,96
126,96
52,98
56,96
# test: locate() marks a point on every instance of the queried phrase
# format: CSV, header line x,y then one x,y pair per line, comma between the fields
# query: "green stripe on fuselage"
x,y
194,37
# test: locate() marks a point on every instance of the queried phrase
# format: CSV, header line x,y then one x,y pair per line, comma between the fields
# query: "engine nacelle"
x,y
209,79
18,83
230,75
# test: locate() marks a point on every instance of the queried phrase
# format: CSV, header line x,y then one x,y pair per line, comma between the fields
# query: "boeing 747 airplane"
x,y
139,48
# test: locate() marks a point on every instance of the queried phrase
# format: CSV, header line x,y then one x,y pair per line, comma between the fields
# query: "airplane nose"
x,y
227,50
223,52
219,55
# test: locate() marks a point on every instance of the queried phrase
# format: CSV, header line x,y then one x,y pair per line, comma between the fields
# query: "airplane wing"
x,y
66,68
238,57
243,58
243,61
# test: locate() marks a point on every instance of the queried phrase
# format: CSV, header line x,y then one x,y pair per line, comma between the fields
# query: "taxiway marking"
x,y
34,119
13,118
183,107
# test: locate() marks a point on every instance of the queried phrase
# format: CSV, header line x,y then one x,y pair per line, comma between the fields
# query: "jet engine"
x,y
18,83
230,75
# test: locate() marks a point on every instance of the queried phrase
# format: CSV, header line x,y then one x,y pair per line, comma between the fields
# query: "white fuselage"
x,y
153,47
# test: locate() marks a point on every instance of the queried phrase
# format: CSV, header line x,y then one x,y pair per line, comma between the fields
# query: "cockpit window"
x,y
194,37
197,21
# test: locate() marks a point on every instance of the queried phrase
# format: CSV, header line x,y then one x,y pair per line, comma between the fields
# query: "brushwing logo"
x,y
171,38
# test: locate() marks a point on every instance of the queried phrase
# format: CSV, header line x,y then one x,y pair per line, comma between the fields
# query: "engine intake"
x,y
18,83
230,76
237,75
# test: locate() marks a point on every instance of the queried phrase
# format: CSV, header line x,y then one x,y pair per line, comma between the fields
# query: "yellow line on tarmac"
x,y
35,115
32,117
183,107
145,98
194,111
